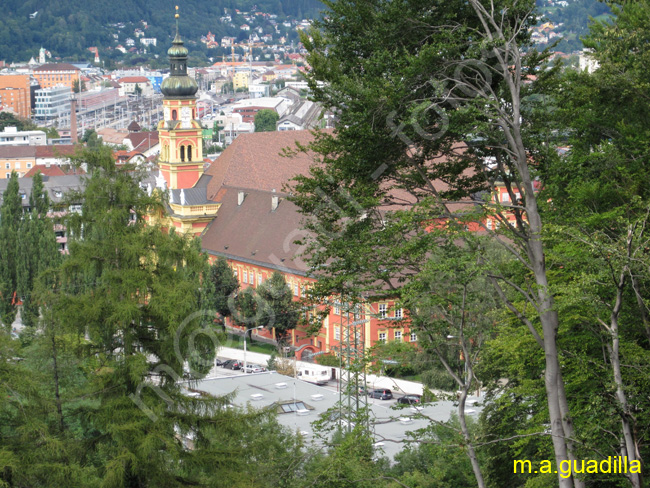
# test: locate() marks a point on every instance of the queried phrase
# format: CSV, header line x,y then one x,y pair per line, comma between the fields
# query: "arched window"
x,y
189,153
182,153
174,115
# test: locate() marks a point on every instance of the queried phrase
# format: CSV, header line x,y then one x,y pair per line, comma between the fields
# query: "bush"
x,y
328,360
270,364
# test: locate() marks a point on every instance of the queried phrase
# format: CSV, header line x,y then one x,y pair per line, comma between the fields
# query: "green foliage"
x,y
278,311
78,407
11,214
219,288
436,460
328,360
348,463
265,120
91,139
7,119
271,305
78,86
67,29
37,249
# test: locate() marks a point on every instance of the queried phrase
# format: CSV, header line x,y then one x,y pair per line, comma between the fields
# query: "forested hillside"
x,y
67,28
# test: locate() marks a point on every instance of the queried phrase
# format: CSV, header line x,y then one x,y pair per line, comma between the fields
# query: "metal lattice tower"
x,y
352,402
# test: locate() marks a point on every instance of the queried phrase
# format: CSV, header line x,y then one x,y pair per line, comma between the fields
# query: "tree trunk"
x,y
621,397
548,315
567,424
471,453
57,395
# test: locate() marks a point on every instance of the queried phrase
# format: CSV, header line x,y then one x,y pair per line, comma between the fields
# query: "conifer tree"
x,y
10,220
37,249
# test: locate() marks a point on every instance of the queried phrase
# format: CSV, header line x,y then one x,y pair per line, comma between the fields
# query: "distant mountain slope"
x,y
67,28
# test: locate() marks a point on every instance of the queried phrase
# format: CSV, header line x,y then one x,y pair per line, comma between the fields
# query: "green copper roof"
x,y
177,50
178,84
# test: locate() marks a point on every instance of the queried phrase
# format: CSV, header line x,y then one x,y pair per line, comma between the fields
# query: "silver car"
x,y
254,368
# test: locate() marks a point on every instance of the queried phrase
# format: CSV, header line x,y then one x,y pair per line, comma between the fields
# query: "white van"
x,y
314,374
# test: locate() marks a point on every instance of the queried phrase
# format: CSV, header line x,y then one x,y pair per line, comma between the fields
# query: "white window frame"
x,y
383,310
337,333
414,337
245,276
398,336
398,313
382,336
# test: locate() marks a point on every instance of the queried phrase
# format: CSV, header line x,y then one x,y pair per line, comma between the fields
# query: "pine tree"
x,y
219,288
11,214
279,311
37,249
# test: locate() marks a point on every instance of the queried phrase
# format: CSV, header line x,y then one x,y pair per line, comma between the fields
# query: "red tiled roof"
x,y
142,141
254,161
56,151
253,232
52,170
56,67
134,79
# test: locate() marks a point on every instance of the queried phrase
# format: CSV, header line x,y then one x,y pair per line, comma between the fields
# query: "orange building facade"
x,y
15,94
57,74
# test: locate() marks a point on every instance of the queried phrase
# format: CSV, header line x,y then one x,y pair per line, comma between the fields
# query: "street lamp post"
x,y
245,334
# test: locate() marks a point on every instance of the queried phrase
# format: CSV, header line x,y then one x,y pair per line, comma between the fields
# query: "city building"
x,y
11,136
248,108
57,74
303,115
15,94
180,137
21,159
241,79
239,209
130,84
52,103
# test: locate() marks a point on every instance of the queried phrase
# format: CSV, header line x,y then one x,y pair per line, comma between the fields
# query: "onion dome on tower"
x,y
178,84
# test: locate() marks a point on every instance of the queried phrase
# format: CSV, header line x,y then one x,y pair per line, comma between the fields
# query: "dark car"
x,y
381,393
218,362
410,399
232,364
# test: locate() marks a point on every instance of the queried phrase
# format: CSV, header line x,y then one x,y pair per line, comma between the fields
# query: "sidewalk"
x,y
373,381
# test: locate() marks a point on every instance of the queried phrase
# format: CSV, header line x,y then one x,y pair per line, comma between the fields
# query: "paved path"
x,y
373,381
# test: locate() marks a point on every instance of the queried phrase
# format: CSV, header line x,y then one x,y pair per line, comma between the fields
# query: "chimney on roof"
x,y
275,201
74,137
240,198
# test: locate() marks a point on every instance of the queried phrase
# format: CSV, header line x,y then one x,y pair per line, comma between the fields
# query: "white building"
x,y
12,136
52,102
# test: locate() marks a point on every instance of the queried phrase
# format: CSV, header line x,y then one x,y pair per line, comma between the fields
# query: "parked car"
x,y
410,399
232,364
381,393
254,368
218,362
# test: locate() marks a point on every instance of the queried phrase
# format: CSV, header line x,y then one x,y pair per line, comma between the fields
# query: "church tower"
x,y
180,134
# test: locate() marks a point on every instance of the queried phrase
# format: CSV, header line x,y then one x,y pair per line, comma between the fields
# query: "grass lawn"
x,y
253,346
